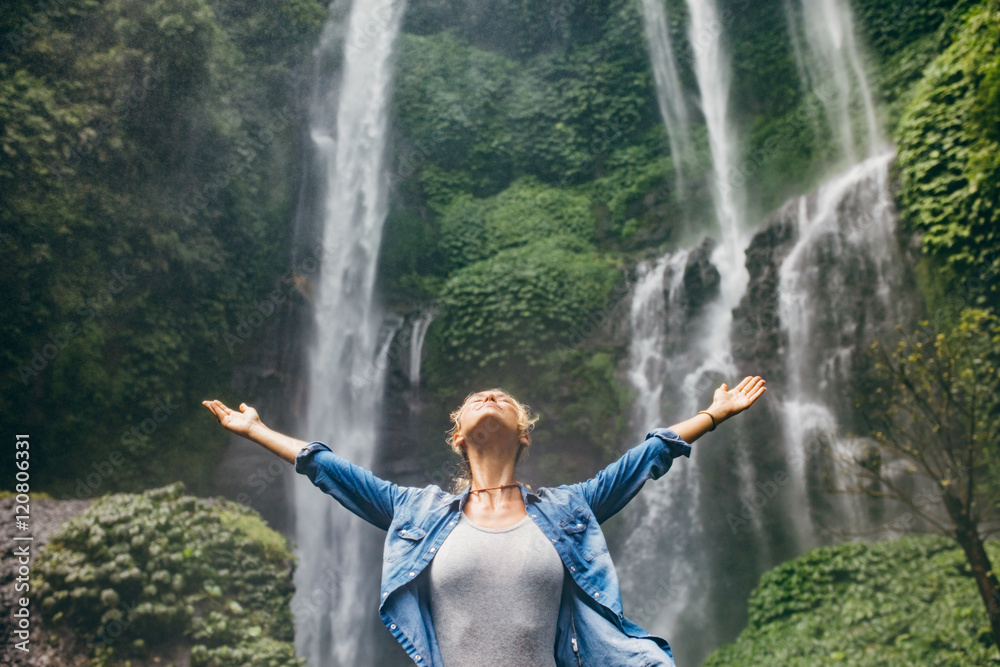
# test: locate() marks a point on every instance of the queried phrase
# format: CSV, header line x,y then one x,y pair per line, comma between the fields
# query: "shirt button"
x,y
597,595
402,532
573,568
413,574
553,539
392,627
534,516
433,549
385,595
417,658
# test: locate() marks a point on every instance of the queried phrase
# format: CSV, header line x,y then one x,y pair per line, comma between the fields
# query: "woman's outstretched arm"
x,y
725,404
247,423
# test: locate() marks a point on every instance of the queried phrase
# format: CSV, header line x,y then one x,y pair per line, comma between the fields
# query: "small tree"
x,y
933,413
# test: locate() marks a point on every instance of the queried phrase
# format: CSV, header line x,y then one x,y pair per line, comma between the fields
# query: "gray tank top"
x,y
495,596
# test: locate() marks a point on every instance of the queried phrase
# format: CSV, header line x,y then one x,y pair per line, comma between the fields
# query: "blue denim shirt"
x,y
591,629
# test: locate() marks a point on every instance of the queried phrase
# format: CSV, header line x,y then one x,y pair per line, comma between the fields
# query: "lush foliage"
x,y
145,170
135,574
474,120
949,159
477,229
897,603
518,304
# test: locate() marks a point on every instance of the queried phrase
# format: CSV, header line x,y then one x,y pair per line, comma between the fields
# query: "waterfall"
x,y
420,326
834,271
842,276
648,317
656,316
659,573
336,582
831,67
669,94
712,68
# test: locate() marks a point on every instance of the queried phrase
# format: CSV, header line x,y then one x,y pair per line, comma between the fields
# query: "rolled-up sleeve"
x,y
354,487
612,488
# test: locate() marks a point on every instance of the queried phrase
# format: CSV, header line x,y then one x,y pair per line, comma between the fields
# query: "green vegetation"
x,y
146,173
135,574
897,603
949,160
521,302
933,406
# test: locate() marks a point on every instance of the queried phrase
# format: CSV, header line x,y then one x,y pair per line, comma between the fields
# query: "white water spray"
x,y
712,67
669,93
831,67
843,273
420,326
349,130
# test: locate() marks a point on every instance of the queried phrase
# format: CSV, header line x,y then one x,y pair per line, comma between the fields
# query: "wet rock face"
x,y
701,278
47,516
757,338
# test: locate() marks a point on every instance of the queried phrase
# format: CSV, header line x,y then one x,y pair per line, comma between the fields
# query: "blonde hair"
x,y
525,425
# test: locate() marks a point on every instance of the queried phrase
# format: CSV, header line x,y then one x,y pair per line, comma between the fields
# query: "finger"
x,y
724,387
211,405
757,394
743,384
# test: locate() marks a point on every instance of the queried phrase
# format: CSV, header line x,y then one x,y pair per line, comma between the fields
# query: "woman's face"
x,y
487,414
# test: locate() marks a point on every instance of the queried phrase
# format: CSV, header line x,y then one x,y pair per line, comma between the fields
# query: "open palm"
x,y
734,401
239,423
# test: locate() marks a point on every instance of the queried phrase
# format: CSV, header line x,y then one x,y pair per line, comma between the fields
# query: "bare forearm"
x,y
697,426
725,404
284,446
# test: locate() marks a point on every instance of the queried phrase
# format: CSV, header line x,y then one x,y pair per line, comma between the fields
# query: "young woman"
x,y
498,574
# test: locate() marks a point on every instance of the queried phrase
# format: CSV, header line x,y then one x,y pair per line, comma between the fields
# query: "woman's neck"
x,y
490,471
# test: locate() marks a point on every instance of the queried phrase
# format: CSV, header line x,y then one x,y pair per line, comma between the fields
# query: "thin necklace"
x,y
494,488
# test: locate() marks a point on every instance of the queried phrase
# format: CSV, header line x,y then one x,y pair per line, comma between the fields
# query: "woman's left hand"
x,y
728,402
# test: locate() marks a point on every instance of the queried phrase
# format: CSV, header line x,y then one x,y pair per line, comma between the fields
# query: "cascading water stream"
x,y
669,93
420,326
842,276
667,531
831,67
335,582
712,68
836,282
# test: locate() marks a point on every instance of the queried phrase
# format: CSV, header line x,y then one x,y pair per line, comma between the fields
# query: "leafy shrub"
x,y
135,572
473,120
519,303
475,229
949,159
146,174
896,603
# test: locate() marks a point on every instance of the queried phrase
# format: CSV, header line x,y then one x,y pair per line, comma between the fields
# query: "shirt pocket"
x,y
589,540
403,536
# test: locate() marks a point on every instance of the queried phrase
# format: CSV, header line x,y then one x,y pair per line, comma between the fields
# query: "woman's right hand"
x,y
240,423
